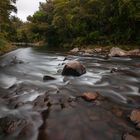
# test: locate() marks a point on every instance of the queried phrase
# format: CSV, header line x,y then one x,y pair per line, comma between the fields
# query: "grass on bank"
x,y
5,46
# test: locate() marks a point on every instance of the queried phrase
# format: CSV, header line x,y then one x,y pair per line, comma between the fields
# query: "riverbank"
x,y
81,50
6,47
108,51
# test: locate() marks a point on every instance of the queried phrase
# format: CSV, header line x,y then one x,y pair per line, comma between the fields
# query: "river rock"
x,y
135,52
135,117
27,131
89,96
10,124
129,137
117,52
74,68
74,50
87,50
87,54
98,50
47,78
138,126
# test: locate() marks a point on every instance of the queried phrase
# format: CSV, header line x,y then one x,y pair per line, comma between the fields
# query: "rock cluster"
x,y
120,52
113,52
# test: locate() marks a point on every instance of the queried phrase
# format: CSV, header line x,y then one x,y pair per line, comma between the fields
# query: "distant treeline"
x,y
78,23
87,22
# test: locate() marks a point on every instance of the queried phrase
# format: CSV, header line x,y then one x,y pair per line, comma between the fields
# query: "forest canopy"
x,y
68,23
6,7
85,22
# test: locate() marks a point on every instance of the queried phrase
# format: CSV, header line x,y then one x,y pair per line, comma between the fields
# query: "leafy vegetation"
x,y
86,22
70,23
6,7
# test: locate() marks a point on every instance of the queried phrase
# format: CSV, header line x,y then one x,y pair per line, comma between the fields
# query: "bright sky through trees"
x,y
27,7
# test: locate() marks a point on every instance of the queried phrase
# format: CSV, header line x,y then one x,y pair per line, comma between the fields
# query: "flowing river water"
x,y
33,109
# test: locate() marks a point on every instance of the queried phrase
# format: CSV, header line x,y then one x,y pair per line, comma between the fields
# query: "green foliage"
x,y
75,23
87,22
2,43
4,46
6,7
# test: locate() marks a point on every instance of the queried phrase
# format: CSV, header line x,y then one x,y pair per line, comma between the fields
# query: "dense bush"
x,y
87,22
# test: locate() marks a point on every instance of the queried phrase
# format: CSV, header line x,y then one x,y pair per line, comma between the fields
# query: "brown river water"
x,y
33,109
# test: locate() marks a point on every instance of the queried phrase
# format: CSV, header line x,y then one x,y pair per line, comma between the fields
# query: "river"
x,y
49,110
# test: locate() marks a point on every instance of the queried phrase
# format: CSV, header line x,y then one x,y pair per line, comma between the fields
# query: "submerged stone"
x,y
10,124
128,136
47,78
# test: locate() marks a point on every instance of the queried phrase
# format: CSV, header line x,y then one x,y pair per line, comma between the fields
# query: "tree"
x,y
87,22
6,7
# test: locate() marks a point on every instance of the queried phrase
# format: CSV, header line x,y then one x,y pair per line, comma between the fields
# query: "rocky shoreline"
x,y
113,52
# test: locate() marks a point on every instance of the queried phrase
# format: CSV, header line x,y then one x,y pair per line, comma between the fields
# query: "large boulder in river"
x,y
117,52
74,68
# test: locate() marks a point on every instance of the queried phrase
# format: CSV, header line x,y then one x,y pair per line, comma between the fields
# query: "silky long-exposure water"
x,y
49,110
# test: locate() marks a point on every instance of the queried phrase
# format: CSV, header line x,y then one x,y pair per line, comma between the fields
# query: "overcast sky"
x,y
27,7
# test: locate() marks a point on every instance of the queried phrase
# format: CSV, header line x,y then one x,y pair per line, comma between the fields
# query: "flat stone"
x,y
89,96
135,116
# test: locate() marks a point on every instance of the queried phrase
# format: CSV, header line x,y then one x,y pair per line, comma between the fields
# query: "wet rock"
x,y
138,126
114,70
118,112
56,108
117,52
10,124
135,117
88,51
73,68
47,78
89,96
15,60
129,137
137,65
40,101
135,52
87,54
19,104
74,50
98,50
65,59
27,130
123,71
